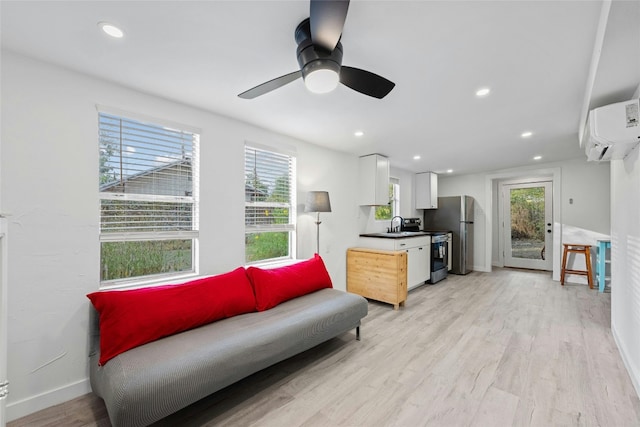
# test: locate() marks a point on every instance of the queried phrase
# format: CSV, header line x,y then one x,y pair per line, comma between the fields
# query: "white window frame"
x,y
130,236
290,227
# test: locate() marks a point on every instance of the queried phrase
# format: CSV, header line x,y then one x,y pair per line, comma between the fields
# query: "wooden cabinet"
x,y
378,275
426,194
373,180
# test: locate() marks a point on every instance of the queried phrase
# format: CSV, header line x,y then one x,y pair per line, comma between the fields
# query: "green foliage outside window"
x,y
527,213
107,150
120,260
386,212
383,212
261,246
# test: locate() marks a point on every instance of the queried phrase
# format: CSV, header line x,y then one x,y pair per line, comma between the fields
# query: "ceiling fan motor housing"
x,y
312,57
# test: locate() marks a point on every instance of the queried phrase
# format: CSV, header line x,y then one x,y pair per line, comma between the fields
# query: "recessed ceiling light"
x,y
537,157
449,170
483,92
416,157
111,30
526,134
358,133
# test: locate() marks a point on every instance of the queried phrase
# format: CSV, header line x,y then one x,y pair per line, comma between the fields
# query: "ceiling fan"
x,y
319,55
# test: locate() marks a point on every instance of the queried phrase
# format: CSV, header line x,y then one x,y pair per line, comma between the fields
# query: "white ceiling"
x,y
534,55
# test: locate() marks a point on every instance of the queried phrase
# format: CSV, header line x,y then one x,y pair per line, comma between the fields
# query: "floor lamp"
x,y
317,201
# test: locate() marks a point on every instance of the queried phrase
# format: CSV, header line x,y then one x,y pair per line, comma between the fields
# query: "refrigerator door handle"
x,y
463,248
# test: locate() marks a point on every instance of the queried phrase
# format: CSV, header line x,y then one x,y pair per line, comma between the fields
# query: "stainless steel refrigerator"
x,y
455,214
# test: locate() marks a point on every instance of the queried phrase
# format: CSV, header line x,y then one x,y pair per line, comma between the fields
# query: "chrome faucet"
x,y
399,227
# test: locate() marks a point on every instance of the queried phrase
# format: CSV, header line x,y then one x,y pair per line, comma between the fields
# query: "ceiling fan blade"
x,y
365,82
270,85
327,21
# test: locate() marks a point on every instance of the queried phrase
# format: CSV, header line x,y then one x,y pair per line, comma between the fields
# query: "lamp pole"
x,y
318,222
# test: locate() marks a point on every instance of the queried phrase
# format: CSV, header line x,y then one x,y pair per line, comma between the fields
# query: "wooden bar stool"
x,y
580,249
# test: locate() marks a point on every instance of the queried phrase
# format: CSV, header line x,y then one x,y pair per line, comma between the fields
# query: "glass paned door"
x,y
528,226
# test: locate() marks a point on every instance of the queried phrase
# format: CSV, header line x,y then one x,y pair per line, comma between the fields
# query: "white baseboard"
x,y
633,371
41,401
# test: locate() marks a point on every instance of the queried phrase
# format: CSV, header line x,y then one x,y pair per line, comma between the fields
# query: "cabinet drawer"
x,y
412,242
394,244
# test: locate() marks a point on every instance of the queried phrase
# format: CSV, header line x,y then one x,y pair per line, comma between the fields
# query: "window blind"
x,y
268,190
146,177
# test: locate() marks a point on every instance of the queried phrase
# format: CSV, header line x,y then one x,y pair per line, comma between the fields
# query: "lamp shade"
x,y
317,201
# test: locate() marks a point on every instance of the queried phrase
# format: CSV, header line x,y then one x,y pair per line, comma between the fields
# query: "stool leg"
x,y
564,265
587,254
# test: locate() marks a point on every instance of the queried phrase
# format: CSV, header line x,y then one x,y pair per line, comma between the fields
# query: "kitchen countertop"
x,y
405,234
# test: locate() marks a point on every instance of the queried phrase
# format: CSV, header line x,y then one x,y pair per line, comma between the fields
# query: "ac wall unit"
x,y
612,131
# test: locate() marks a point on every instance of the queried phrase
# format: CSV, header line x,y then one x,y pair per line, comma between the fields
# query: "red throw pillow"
x,y
134,317
273,286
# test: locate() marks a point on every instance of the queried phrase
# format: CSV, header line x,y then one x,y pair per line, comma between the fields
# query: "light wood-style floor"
x,y
504,348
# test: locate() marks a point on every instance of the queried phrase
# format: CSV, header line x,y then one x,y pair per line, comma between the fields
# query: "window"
x,y
387,212
148,199
269,212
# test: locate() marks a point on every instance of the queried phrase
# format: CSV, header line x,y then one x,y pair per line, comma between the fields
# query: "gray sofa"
x,y
147,383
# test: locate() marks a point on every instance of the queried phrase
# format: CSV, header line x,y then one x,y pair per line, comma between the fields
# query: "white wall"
x,y
588,184
49,185
625,260
588,217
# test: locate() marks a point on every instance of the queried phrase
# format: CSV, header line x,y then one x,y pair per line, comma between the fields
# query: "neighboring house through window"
x,y
269,212
148,194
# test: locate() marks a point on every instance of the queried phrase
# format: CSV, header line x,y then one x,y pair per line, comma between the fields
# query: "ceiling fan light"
x,y
321,80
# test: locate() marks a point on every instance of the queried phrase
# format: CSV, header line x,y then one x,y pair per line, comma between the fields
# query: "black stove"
x,y
411,224
439,247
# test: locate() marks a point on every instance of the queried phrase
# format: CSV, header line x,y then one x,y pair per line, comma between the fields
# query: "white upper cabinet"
x,y
426,190
374,180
